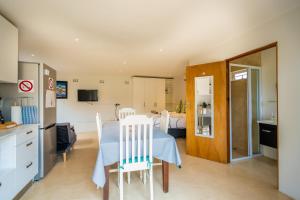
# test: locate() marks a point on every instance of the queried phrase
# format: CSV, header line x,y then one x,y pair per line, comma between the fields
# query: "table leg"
x,y
165,174
106,185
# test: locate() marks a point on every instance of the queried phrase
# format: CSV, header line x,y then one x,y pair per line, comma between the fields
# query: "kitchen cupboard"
x,y
148,94
8,51
18,159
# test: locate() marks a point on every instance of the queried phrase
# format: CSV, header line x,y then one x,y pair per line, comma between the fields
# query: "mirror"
x,y
204,106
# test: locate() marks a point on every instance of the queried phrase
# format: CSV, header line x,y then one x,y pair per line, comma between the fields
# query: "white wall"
x,y
82,114
285,30
268,86
269,94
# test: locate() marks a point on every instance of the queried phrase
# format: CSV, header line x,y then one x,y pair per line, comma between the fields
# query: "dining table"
x,y
164,149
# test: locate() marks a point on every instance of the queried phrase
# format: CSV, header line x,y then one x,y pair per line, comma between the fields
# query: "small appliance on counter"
x,y
16,114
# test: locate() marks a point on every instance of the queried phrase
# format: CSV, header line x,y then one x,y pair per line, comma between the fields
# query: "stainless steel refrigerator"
x,y
47,130
44,79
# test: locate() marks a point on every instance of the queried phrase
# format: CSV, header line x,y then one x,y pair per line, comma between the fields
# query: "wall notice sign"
x,y
50,101
51,83
25,86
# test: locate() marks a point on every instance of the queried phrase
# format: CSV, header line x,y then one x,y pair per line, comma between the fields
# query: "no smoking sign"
x,y
25,86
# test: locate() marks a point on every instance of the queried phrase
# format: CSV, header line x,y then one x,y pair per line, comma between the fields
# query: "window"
x,y
239,75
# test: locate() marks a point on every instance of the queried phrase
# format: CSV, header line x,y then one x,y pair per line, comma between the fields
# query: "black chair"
x,y
66,137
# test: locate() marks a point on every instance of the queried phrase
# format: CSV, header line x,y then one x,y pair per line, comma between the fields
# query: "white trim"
x,y
241,159
249,111
249,108
230,118
246,66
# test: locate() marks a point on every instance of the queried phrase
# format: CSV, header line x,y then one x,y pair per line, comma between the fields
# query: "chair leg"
x,y
118,177
145,176
65,156
128,177
141,175
121,185
151,182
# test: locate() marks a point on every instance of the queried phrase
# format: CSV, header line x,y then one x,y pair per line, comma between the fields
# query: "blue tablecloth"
x,y
164,148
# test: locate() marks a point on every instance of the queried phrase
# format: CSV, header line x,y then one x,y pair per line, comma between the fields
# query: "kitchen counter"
x,y
270,122
15,130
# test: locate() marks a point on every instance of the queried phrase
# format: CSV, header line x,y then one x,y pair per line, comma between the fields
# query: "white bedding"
x,y
177,120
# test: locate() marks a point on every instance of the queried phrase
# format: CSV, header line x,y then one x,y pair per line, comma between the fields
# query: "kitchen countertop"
x,y
12,131
270,122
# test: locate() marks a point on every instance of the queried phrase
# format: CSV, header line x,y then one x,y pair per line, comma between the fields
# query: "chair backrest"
x,y
164,121
99,127
136,138
124,112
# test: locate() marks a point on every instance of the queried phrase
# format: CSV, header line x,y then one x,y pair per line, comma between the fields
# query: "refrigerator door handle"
x,y
48,127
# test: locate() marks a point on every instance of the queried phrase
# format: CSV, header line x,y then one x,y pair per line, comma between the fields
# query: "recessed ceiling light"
x,y
32,55
76,39
124,62
161,50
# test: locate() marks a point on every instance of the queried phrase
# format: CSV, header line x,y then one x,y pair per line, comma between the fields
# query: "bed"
x,y
177,124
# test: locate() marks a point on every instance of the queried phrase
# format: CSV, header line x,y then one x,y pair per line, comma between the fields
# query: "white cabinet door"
x,y
8,52
27,162
7,189
150,94
138,95
160,95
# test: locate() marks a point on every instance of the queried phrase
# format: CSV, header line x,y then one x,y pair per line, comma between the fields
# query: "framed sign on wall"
x,y
61,89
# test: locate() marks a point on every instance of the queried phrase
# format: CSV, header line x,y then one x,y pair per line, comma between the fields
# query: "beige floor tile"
x,y
197,179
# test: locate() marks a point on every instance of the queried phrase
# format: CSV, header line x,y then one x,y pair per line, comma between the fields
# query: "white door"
x,y
160,95
150,97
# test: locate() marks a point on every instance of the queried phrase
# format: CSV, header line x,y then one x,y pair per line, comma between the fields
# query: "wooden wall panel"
x,y
217,148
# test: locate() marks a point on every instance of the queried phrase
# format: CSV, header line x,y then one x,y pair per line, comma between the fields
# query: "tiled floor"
x,y
197,179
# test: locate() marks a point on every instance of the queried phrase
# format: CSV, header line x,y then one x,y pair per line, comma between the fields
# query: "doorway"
x,y
244,110
253,104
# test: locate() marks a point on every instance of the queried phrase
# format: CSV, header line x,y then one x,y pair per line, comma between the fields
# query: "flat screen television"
x,y
87,95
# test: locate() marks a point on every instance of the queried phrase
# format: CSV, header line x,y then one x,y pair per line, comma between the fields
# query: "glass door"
x,y
244,111
255,110
239,113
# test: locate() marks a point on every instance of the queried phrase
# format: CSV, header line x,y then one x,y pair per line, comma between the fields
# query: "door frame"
x,y
249,108
268,46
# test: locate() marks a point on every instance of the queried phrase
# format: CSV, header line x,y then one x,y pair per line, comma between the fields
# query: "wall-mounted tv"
x,y
87,95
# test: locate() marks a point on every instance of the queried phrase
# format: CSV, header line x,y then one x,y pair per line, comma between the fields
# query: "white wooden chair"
x,y
136,150
164,121
124,112
99,127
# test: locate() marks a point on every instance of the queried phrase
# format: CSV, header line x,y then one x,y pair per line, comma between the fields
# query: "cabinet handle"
x,y
266,131
28,132
30,143
0,184
27,166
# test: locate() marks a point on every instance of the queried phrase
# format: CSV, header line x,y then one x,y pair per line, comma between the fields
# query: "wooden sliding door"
x,y
214,148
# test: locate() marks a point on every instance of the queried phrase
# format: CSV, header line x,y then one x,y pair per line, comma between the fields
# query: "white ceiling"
x,y
154,37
